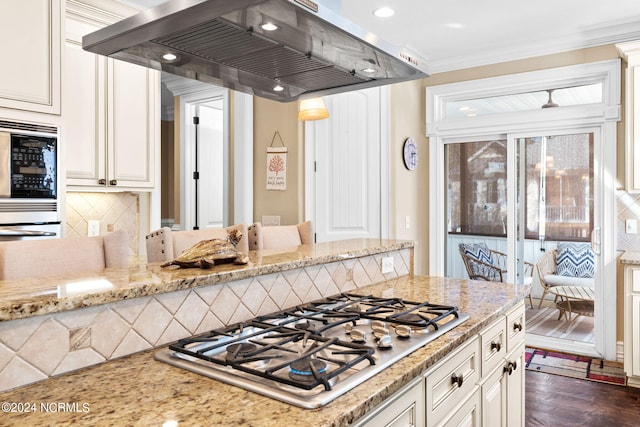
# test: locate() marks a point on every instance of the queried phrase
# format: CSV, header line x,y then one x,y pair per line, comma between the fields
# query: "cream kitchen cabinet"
x,y
110,111
503,372
404,409
630,52
30,40
632,324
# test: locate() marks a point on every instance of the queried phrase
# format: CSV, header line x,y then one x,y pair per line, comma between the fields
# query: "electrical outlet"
x,y
268,220
387,265
407,222
631,226
93,228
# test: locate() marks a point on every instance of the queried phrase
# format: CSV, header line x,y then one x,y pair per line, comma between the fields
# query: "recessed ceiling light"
x,y
170,56
384,12
278,88
369,70
269,26
455,25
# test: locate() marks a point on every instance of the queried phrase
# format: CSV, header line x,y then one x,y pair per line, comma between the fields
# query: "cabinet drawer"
x,y
406,409
493,343
515,327
467,415
451,382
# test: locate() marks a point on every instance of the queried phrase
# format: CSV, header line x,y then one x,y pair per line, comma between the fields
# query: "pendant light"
x,y
312,109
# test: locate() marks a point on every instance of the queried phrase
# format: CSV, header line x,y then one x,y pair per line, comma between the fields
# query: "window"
x,y
477,189
560,168
558,186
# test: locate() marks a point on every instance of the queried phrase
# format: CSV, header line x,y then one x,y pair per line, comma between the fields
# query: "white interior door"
x,y
205,200
348,174
211,205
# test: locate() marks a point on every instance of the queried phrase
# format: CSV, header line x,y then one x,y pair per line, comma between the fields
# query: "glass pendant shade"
x,y
312,109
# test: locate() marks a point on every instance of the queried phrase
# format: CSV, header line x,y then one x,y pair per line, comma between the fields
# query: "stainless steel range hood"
x,y
311,52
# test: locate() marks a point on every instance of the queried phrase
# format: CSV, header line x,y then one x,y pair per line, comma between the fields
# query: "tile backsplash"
x,y
88,336
628,207
115,211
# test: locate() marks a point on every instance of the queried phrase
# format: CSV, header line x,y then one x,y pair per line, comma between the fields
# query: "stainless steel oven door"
x,y
30,231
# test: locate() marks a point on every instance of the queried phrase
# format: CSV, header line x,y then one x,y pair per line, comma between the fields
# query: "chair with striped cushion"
x,y
483,263
571,264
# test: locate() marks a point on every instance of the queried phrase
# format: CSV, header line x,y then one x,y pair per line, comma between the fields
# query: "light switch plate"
x,y
631,226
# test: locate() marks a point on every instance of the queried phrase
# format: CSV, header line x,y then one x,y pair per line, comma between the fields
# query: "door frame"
x,y
601,116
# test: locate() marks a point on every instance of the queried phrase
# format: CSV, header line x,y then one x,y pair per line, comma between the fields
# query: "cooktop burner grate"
x,y
310,354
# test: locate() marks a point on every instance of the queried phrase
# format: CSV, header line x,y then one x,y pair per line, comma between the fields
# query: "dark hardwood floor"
x,y
553,400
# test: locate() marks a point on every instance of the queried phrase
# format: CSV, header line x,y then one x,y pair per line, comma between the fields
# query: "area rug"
x,y
574,366
545,322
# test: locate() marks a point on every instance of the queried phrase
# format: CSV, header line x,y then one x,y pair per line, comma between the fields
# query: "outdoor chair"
x,y
573,267
483,263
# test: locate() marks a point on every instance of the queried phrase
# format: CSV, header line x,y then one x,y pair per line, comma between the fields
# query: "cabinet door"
x,y
635,339
30,40
83,118
515,389
494,399
132,123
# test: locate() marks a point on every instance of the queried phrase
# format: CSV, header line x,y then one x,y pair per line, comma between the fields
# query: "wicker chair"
x,y
492,269
546,267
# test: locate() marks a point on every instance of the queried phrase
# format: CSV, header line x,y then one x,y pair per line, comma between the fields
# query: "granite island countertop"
x,y
630,257
136,390
52,294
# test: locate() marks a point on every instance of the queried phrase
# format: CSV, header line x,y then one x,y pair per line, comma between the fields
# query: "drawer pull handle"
x,y
517,327
457,379
102,182
496,346
113,182
511,366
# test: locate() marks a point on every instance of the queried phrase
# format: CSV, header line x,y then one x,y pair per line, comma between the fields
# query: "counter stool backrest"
x,y
280,236
22,259
165,244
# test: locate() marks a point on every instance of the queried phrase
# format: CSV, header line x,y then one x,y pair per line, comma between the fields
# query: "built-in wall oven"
x,y
29,181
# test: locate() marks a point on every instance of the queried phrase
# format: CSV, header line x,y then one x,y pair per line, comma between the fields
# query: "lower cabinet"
x,y
632,324
503,393
479,384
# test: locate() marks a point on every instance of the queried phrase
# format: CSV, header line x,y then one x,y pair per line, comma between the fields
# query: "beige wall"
x,y
409,189
269,117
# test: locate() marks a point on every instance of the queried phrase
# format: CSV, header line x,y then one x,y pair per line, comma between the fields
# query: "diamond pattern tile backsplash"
x,y
79,338
628,207
115,211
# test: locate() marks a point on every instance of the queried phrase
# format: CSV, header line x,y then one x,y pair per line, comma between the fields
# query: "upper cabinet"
x,y
110,110
630,52
30,79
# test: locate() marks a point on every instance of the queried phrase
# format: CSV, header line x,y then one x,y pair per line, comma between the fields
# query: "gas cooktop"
x,y
310,354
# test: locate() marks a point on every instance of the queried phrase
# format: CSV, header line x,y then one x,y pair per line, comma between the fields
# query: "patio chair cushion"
x,y
575,260
556,280
479,251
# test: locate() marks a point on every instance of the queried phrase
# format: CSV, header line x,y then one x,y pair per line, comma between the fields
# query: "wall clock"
x,y
410,153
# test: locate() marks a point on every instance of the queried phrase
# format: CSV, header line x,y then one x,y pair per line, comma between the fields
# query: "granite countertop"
x,y
37,296
139,391
629,257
